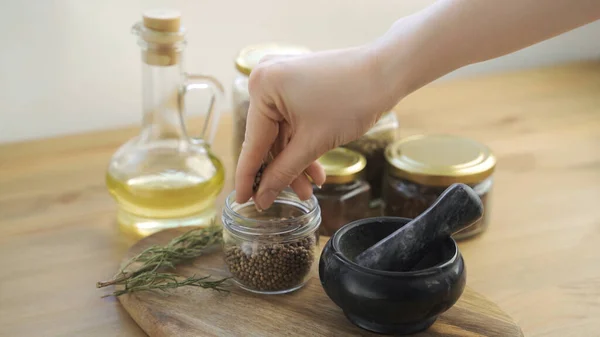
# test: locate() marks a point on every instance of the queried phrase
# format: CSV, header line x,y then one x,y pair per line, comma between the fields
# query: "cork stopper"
x,y
161,28
162,20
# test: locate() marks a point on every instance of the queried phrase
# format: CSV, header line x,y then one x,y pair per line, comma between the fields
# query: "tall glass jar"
x,y
273,251
345,195
372,145
245,61
164,177
420,168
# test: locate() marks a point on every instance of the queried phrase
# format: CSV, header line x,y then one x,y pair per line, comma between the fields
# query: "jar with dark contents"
x,y
420,168
245,61
271,251
372,145
345,195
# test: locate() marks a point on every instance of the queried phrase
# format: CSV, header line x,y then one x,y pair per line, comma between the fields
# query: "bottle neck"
x,y
161,85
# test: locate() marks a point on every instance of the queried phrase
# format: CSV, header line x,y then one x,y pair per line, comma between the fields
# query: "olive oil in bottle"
x,y
164,178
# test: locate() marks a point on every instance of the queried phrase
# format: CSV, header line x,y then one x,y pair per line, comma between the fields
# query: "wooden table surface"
x,y
540,259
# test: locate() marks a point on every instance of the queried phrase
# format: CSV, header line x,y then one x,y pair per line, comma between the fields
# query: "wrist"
x,y
389,66
411,54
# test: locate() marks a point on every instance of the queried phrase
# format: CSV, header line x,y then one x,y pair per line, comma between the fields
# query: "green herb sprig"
x,y
155,260
166,281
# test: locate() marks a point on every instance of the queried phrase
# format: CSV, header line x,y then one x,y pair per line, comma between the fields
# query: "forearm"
x,y
451,34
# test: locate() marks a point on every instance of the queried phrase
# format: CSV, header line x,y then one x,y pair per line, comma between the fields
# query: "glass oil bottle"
x,y
163,177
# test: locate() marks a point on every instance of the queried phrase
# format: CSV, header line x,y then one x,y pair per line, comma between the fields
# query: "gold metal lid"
x,y
342,165
440,160
249,57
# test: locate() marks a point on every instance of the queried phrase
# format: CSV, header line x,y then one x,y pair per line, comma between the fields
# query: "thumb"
x,y
283,170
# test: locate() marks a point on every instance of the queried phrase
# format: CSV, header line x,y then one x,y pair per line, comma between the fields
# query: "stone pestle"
x,y
457,208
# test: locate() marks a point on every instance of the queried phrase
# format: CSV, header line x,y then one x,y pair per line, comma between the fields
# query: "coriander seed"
x,y
272,251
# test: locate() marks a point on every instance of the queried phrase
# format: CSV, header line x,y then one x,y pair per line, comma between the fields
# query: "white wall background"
x,y
69,66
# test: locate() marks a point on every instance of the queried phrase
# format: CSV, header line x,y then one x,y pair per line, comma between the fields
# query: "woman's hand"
x,y
303,106
300,108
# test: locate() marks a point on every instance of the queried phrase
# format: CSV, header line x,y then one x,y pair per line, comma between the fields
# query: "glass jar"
x,y
420,168
372,145
345,195
164,177
245,61
272,251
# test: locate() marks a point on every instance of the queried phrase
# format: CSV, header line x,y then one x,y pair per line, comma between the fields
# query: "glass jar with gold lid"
x,y
345,195
245,62
372,145
420,168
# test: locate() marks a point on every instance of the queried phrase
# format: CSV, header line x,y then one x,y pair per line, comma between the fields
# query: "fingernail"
x,y
319,186
266,198
258,209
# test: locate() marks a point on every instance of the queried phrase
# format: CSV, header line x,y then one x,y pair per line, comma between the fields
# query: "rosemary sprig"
x,y
165,281
154,260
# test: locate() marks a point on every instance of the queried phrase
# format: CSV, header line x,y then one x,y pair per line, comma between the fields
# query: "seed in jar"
x,y
281,265
413,199
372,146
258,177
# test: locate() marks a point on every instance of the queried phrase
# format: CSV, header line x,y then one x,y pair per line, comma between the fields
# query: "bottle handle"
x,y
204,82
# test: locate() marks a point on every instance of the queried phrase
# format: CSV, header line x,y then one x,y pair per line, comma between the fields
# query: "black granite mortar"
x,y
390,302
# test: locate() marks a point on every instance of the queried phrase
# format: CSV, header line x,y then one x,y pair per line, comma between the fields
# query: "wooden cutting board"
x,y
306,312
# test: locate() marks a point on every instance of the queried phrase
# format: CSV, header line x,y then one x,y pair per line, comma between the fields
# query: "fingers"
x,y
261,132
285,169
265,133
302,187
316,173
